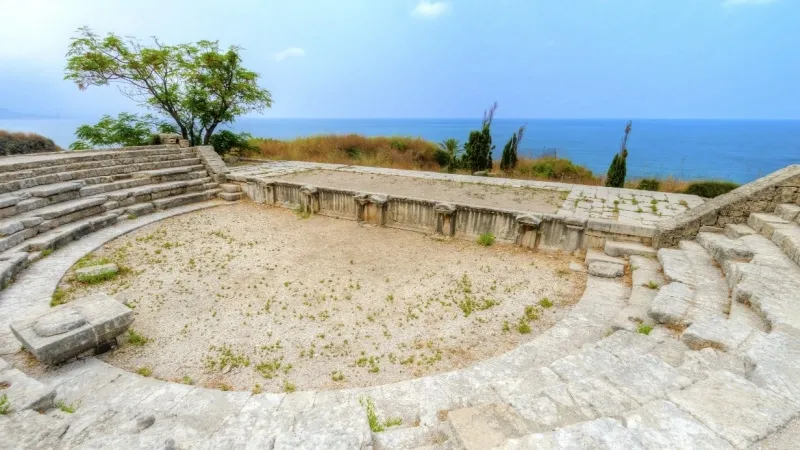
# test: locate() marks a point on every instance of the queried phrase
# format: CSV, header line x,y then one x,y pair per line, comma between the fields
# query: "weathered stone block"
x,y
606,269
71,329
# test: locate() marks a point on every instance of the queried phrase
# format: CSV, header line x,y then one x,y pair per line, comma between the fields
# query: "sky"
x,y
441,59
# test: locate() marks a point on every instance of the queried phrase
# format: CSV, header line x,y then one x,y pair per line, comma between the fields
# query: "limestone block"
x,y
24,392
715,332
230,196
773,362
676,266
593,255
671,304
622,249
787,211
487,426
606,269
660,424
602,433
233,188
71,329
735,408
93,271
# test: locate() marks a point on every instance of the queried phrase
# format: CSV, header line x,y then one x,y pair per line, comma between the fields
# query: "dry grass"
x,y
395,152
398,152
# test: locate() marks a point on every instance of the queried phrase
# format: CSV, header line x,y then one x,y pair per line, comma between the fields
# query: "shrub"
x,y
126,130
25,143
617,170
225,140
478,149
486,239
648,184
550,168
710,189
448,154
5,406
508,161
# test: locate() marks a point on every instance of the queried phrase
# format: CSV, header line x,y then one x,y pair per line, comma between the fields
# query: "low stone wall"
x,y
762,195
445,220
215,166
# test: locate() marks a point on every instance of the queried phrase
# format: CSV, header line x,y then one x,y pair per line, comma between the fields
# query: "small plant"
x,y
683,203
144,371
546,303
99,277
523,327
59,297
67,408
531,313
301,213
132,216
5,406
136,339
257,388
506,327
288,386
486,239
337,376
46,252
648,184
187,380
375,423
644,328
652,284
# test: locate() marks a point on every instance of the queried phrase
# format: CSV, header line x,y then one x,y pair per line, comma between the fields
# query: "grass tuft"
x,y
59,297
546,303
67,408
136,339
5,406
644,328
144,371
375,423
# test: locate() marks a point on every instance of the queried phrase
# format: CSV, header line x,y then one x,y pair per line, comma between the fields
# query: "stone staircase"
x,y
691,347
48,200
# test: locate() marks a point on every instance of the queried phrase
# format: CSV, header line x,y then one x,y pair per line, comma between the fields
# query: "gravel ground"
x,y
521,199
254,297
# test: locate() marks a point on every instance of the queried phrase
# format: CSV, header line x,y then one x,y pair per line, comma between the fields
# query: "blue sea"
x,y
736,150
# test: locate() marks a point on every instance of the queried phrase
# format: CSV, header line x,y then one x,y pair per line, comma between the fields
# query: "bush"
x,y
710,189
225,140
25,143
486,239
553,169
649,184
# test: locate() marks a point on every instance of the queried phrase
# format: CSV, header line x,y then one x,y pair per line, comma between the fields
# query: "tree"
x,y
198,86
451,149
509,159
125,131
618,168
478,149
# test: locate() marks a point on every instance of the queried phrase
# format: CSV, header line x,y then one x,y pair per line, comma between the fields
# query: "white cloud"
x,y
290,52
747,2
430,10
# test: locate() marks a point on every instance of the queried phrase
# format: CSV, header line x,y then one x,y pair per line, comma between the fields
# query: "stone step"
x,y
192,175
764,223
787,211
65,234
593,255
68,207
149,189
725,250
737,230
626,249
787,238
230,196
10,264
487,426
178,200
230,187
415,437
49,190
32,162
113,186
162,172
23,392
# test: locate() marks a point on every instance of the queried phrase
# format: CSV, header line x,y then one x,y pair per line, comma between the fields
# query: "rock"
x,y
737,230
596,434
103,318
735,408
697,365
773,362
606,269
715,332
593,255
24,392
93,271
230,196
58,322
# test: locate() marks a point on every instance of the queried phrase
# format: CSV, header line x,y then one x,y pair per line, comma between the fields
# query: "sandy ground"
x,y
251,295
521,199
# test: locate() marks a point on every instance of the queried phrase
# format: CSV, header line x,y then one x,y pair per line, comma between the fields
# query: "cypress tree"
x,y
618,168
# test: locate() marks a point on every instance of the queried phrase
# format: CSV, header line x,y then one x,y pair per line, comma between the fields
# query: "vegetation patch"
x,y
375,424
710,189
486,239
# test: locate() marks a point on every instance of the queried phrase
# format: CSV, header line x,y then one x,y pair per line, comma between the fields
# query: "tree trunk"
x,y
209,132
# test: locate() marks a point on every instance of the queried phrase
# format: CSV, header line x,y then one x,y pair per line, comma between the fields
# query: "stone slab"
x,y
736,409
24,392
606,269
787,211
671,304
660,425
86,323
626,249
737,230
487,426
773,362
600,434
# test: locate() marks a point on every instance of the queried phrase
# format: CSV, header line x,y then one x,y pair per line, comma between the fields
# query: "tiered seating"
x,y
48,200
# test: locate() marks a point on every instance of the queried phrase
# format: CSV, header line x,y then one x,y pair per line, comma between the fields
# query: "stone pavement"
x,y
626,206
